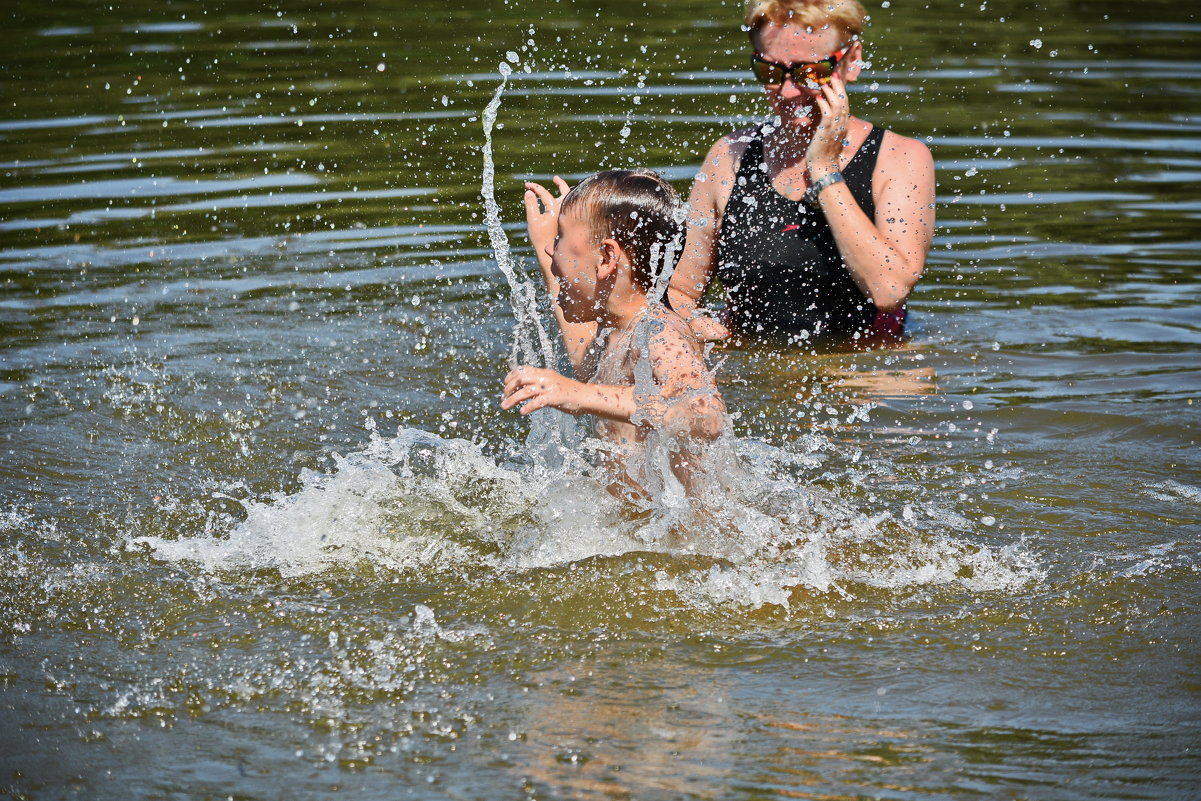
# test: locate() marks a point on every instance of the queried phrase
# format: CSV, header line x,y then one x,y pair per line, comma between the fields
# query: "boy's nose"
x,y
550,249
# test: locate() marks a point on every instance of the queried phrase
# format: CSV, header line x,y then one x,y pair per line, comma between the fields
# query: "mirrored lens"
x,y
766,72
815,74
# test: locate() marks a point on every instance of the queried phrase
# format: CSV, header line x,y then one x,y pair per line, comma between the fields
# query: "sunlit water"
x,y
266,530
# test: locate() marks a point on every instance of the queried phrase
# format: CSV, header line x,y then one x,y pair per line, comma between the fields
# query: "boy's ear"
x,y
610,258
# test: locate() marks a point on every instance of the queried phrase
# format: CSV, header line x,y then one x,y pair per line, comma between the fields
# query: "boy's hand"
x,y
542,217
540,387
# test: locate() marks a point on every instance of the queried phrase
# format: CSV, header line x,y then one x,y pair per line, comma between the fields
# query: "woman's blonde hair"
x,y
848,16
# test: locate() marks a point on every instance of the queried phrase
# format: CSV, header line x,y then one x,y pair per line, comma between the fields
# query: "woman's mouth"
x,y
799,111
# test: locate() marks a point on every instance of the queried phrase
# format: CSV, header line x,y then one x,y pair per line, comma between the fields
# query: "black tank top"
x,y
777,259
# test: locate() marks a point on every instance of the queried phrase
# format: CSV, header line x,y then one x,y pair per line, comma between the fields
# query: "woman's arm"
x,y
542,222
698,262
885,258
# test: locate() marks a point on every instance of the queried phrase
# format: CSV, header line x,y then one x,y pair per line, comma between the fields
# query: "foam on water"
x,y
420,505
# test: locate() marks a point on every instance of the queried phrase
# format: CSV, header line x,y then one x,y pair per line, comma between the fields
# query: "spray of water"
x,y
553,435
531,345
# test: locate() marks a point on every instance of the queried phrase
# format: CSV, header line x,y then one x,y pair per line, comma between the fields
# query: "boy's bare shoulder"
x,y
676,353
671,328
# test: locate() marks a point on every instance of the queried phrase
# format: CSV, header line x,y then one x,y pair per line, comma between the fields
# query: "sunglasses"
x,y
807,73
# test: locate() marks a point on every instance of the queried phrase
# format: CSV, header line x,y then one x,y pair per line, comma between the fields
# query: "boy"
x,y
603,247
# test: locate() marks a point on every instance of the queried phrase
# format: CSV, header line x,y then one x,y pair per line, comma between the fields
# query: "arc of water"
x,y
531,345
550,430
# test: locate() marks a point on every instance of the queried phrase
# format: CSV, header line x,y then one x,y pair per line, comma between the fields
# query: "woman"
x,y
818,224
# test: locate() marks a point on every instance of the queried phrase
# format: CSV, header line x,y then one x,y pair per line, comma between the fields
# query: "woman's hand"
x,y
539,387
825,150
542,217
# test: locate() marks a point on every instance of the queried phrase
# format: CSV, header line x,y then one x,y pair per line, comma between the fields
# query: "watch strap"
x,y
828,179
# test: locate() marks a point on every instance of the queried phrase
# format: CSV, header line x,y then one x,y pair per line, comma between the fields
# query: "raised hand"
x,y
542,217
825,150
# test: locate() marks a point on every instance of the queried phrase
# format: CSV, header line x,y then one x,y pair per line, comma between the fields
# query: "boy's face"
x,y
575,256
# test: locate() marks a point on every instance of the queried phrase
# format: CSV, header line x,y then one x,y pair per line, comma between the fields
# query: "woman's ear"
x,y
852,62
611,255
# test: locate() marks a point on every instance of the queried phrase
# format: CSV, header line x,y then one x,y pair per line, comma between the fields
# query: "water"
x,y
266,530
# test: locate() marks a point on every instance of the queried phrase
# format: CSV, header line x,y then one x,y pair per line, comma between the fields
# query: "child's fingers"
x,y
514,380
563,187
513,398
523,376
523,394
543,194
534,405
531,204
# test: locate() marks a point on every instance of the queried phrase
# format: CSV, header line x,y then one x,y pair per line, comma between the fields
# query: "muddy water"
x,y
265,529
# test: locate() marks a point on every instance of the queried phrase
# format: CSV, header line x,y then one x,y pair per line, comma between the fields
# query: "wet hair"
x,y
638,209
847,16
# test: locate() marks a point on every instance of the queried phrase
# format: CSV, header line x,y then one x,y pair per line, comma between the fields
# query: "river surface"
x,y
265,531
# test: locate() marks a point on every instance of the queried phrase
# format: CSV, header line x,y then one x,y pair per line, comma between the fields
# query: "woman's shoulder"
x,y
898,149
727,151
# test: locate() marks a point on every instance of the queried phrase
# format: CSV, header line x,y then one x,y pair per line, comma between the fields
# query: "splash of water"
x,y
553,436
416,504
531,345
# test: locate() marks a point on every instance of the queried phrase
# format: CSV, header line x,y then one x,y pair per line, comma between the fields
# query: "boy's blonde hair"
x,y
638,209
847,16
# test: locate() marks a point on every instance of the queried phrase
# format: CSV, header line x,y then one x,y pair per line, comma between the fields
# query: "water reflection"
x,y
605,731
794,392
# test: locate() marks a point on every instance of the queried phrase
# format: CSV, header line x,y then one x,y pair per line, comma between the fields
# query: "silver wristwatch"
x,y
821,183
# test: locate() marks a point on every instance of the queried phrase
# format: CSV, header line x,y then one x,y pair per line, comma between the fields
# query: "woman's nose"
x,y
789,90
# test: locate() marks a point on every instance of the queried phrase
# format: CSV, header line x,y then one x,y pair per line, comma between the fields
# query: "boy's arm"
x,y
542,221
539,387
